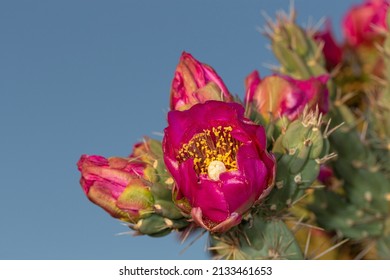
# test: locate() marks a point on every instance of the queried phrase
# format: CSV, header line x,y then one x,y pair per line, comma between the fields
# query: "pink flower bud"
x,y
278,95
115,185
365,23
195,82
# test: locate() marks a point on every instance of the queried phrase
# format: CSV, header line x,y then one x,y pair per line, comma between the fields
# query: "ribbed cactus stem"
x,y
300,150
360,209
256,238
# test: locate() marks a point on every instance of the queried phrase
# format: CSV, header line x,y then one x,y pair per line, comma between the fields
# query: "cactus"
x,y
250,177
256,238
360,209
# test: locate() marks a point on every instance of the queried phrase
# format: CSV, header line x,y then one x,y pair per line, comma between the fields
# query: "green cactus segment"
x,y
298,53
381,110
335,213
362,208
256,238
359,208
160,215
298,151
383,244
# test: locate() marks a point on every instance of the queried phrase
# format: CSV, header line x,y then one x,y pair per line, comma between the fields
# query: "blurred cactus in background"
x,y
298,170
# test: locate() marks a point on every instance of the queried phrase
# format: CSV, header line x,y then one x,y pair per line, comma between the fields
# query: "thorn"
x,y
363,134
365,251
193,241
298,223
300,198
293,14
325,158
330,249
317,26
336,70
327,133
268,20
379,80
307,245
272,67
158,133
345,98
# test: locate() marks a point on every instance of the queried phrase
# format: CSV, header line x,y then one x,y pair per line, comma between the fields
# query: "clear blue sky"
x,y
93,77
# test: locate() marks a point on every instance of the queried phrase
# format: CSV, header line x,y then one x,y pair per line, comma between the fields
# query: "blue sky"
x,y
93,77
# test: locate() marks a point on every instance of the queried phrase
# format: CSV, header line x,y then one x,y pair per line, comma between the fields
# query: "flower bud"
x,y
366,23
277,95
114,185
195,82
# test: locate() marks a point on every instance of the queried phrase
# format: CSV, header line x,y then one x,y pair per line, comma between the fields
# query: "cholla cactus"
x,y
299,170
359,208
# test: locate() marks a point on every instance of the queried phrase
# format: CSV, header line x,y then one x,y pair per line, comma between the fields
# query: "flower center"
x,y
215,168
213,151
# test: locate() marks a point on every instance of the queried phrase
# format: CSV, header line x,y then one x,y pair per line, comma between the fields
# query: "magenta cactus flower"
x,y
219,163
278,95
365,23
114,184
196,82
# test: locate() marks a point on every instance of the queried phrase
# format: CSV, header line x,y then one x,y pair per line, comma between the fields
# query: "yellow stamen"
x,y
215,146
